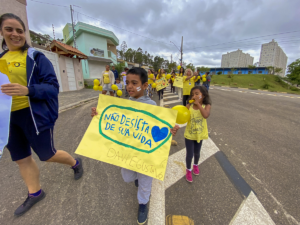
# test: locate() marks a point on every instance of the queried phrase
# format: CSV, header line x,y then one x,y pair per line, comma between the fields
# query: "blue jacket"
x,y
43,90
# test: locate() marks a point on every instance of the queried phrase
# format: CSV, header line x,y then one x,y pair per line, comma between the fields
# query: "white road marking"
x,y
175,171
171,102
251,212
173,96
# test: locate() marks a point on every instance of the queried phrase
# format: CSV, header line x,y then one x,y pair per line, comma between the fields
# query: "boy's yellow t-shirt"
x,y
188,85
196,128
106,79
16,62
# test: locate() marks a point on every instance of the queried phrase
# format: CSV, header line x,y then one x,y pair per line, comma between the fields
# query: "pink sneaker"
x,y
189,176
196,170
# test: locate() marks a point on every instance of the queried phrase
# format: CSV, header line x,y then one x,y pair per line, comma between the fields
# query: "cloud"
x,y
214,26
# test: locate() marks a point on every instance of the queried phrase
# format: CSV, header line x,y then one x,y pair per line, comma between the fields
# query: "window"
x,y
259,71
249,72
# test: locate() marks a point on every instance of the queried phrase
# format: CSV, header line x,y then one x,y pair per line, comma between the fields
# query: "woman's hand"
x,y
94,112
14,89
198,99
174,130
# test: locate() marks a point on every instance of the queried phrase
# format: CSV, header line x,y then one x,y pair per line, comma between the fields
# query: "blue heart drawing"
x,y
159,134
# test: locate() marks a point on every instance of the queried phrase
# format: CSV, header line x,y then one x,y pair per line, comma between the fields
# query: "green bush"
x,y
294,89
266,86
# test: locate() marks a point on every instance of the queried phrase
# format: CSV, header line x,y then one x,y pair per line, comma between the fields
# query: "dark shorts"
x,y
23,137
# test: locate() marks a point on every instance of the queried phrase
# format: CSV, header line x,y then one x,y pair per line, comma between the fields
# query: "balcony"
x,y
112,55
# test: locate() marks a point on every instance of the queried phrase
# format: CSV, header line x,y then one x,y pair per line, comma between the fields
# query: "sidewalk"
x,y
71,97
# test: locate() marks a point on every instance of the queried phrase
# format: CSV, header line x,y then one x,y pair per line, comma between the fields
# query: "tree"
x,y
270,69
294,72
124,46
157,62
172,66
139,56
203,69
233,70
219,73
278,70
191,66
120,67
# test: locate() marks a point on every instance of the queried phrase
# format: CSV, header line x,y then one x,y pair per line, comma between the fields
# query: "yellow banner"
x,y
128,134
161,83
178,82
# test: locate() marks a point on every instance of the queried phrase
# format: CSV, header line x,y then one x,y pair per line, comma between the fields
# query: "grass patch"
x,y
256,81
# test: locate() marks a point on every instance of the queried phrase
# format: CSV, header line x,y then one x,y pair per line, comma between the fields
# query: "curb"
x,y
67,107
252,89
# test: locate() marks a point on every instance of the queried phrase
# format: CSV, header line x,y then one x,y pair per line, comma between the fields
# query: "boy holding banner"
x,y
136,84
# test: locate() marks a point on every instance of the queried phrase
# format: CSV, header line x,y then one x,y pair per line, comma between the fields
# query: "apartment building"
x,y
271,54
236,59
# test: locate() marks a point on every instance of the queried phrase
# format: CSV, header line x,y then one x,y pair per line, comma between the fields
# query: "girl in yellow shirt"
x,y
161,74
188,83
196,129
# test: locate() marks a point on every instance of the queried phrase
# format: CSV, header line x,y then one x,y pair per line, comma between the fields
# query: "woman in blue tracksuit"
x,y
34,89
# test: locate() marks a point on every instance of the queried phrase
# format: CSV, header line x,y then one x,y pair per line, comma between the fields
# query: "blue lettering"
x,y
148,143
147,130
123,117
144,125
107,117
112,127
107,126
127,132
115,116
136,135
137,128
143,139
127,121
132,123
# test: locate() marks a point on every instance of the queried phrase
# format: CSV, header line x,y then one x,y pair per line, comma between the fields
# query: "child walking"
x,y
119,85
196,129
136,84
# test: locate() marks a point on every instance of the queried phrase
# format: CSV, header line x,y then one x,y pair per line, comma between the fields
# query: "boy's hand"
x,y
94,112
174,130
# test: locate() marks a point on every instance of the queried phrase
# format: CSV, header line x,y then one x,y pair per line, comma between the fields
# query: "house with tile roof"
x,y
98,44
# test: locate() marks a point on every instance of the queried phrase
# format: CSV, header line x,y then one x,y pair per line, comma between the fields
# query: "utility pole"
x,y
53,31
171,58
74,38
181,50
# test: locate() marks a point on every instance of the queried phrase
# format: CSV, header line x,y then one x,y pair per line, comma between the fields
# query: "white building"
x,y
272,55
236,59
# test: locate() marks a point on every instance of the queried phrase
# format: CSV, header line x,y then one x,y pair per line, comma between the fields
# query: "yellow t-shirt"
x,y
106,79
157,77
196,128
180,74
150,81
16,61
188,85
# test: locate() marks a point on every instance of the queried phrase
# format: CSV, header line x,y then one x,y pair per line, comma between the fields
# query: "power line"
x,y
123,29
246,39
48,3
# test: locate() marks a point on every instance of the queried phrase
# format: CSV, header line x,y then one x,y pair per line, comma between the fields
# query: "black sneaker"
x,y
136,182
142,214
78,170
29,202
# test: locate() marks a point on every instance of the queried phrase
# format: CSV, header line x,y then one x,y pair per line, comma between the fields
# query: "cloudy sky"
x,y
209,28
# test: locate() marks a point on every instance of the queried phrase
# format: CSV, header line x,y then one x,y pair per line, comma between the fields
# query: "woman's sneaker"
x,y
196,170
189,176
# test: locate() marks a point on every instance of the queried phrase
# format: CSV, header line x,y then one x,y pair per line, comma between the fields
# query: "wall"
x,y
78,74
63,73
18,8
112,48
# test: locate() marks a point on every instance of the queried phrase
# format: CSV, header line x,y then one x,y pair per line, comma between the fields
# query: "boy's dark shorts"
x,y
22,136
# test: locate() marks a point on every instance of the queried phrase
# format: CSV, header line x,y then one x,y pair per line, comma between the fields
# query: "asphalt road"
x,y
259,133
